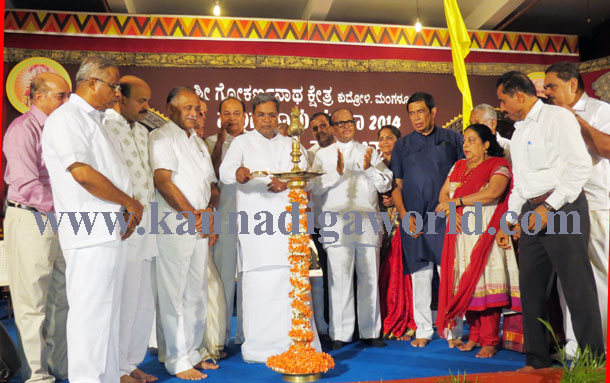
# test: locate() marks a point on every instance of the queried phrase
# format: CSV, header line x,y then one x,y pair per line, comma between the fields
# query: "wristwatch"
x,y
548,207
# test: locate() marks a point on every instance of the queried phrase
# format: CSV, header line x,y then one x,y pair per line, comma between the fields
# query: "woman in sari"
x,y
395,290
478,278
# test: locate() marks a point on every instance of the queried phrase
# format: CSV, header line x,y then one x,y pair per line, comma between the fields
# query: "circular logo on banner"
x,y
22,74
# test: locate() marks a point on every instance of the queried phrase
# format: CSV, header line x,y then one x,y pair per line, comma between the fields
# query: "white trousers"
x,y
225,260
422,298
214,333
36,271
182,292
342,260
94,281
137,313
598,255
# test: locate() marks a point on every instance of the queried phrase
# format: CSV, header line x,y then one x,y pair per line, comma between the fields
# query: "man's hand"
x,y
540,211
212,240
387,200
243,175
276,186
199,221
503,240
222,134
368,155
413,227
136,209
340,165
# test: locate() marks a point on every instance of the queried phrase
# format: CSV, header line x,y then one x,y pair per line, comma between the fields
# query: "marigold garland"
x,y
301,357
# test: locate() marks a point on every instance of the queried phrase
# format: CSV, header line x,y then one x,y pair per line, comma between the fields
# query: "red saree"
x,y
396,292
451,306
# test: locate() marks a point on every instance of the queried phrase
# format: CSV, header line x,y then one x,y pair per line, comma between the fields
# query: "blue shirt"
x,y
423,162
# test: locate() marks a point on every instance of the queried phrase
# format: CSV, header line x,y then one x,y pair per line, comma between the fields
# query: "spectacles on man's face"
x,y
343,124
262,116
115,87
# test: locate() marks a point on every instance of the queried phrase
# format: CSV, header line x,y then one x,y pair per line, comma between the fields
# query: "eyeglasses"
x,y
343,124
115,87
262,116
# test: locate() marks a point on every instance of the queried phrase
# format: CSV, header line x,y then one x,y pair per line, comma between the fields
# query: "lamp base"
x,y
302,378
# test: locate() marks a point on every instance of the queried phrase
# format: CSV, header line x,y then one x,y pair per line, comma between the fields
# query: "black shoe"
x,y
374,342
336,345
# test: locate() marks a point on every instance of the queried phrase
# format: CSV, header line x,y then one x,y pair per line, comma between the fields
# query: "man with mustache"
x,y
420,162
185,182
564,87
90,176
137,308
263,254
232,119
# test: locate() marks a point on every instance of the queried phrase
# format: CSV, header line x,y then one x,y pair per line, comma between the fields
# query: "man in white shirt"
x,y
550,167
89,175
232,119
184,178
263,255
486,115
137,308
564,87
354,174
319,123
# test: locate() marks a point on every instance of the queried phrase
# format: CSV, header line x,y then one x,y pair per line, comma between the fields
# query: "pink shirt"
x,y
26,175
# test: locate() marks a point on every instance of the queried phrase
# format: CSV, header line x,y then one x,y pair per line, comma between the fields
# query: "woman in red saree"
x,y
478,278
395,290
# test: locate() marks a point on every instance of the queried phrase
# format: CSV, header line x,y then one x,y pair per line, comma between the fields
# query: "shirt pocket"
x,y
536,156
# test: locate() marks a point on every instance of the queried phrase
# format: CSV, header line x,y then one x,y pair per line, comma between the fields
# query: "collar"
x,y
534,113
345,145
113,115
81,103
432,133
276,137
172,125
581,103
38,114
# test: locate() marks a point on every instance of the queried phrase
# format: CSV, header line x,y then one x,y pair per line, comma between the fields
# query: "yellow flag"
x,y
460,47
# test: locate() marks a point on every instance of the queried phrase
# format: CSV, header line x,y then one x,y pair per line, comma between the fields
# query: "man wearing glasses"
x,y
354,174
89,175
263,250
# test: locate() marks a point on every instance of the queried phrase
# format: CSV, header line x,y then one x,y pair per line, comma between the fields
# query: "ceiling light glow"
x,y
417,26
216,10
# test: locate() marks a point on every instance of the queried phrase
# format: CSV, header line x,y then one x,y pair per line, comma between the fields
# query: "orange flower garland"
x,y
300,358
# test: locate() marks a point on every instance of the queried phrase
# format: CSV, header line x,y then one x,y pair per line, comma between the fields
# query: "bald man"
x,y
36,266
137,307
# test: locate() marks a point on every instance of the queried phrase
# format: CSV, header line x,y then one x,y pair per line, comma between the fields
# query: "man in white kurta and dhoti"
x,y
137,307
184,178
90,177
264,256
354,174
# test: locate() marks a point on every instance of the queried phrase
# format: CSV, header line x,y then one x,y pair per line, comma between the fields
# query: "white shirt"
x,y
548,152
597,188
133,142
190,164
503,142
311,153
258,153
355,190
73,133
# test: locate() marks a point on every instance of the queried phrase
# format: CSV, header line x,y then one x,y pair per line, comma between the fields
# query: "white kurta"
x,y
95,261
181,277
137,308
264,258
353,191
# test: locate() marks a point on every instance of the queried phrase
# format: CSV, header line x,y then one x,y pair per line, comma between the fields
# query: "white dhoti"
x,y
36,271
422,298
598,255
342,260
267,313
182,294
94,279
137,313
225,260
214,333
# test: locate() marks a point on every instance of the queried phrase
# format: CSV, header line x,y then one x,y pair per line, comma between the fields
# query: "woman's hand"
x,y
387,200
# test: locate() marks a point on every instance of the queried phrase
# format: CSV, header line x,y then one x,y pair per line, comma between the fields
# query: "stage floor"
x,y
354,363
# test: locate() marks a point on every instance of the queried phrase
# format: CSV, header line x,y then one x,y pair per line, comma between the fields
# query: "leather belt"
x,y
20,206
541,198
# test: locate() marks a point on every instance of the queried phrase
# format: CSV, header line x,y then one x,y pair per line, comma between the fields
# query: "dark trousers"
x,y
567,255
323,259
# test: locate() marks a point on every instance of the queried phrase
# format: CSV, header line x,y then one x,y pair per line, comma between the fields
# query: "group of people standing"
x,y
85,300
